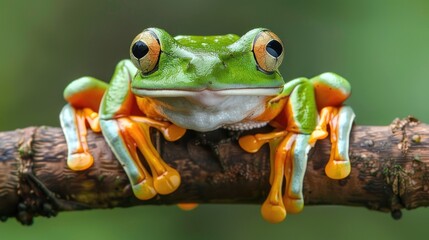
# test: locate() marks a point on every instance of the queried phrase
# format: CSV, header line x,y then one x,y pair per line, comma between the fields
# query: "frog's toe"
x,y
144,190
317,134
167,182
273,213
250,143
338,169
294,205
80,161
173,132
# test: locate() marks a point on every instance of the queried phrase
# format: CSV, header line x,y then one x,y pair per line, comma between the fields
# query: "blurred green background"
x,y
381,47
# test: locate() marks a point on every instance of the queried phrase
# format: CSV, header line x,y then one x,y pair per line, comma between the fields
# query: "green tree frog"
x,y
203,83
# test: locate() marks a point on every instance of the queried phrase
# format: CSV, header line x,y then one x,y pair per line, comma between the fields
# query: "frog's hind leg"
x,y
84,97
340,120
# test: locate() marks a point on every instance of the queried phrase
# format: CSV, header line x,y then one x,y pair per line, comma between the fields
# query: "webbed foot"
x,y
129,135
288,160
74,123
340,120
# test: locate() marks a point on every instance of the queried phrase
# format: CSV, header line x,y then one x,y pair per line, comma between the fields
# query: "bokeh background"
x,y
381,47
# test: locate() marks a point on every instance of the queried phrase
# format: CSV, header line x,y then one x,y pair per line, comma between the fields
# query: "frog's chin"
x,y
268,91
206,98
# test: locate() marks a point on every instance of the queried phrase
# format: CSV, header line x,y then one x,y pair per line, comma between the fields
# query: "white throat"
x,y
207,110
211,112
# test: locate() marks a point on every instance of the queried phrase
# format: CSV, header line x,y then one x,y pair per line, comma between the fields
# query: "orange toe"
x,y
337,169
80,161
273,213
168,182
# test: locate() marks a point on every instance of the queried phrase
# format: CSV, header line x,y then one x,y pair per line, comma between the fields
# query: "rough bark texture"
x,y
389,172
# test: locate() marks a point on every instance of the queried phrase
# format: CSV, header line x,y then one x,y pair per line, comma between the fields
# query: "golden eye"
x,y
145,51
268,51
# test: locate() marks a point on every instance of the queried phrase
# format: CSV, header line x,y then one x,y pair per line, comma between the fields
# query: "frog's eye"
x,y
144,51
268,51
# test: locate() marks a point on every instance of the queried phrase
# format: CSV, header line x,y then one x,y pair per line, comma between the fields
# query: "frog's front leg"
x,y
127,136
127,131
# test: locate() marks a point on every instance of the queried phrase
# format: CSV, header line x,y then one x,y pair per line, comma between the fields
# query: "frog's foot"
x,y
252,143
289,161
273,209
340,120
74,123
127,136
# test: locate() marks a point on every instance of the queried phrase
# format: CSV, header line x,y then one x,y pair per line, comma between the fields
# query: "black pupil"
x,y
140,49
274,48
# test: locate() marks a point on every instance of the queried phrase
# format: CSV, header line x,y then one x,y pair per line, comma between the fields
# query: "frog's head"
x,y
185,66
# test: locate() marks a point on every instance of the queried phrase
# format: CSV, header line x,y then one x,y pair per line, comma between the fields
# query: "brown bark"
x,y
389,172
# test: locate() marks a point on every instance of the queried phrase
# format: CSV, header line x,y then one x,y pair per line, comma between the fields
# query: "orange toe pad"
x,y
80,161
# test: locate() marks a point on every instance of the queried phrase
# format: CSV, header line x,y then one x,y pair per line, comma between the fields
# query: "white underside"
x,y
230,111
209,110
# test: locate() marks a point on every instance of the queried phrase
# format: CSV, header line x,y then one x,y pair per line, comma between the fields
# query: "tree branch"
x,y
389,172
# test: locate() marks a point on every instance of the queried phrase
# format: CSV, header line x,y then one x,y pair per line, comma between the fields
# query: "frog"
x,y
204,83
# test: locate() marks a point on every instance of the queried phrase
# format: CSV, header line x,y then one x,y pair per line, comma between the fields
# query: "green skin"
x,y
206,83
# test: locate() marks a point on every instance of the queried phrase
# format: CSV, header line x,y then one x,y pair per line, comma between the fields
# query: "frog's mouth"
x,y
206,97
268,91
